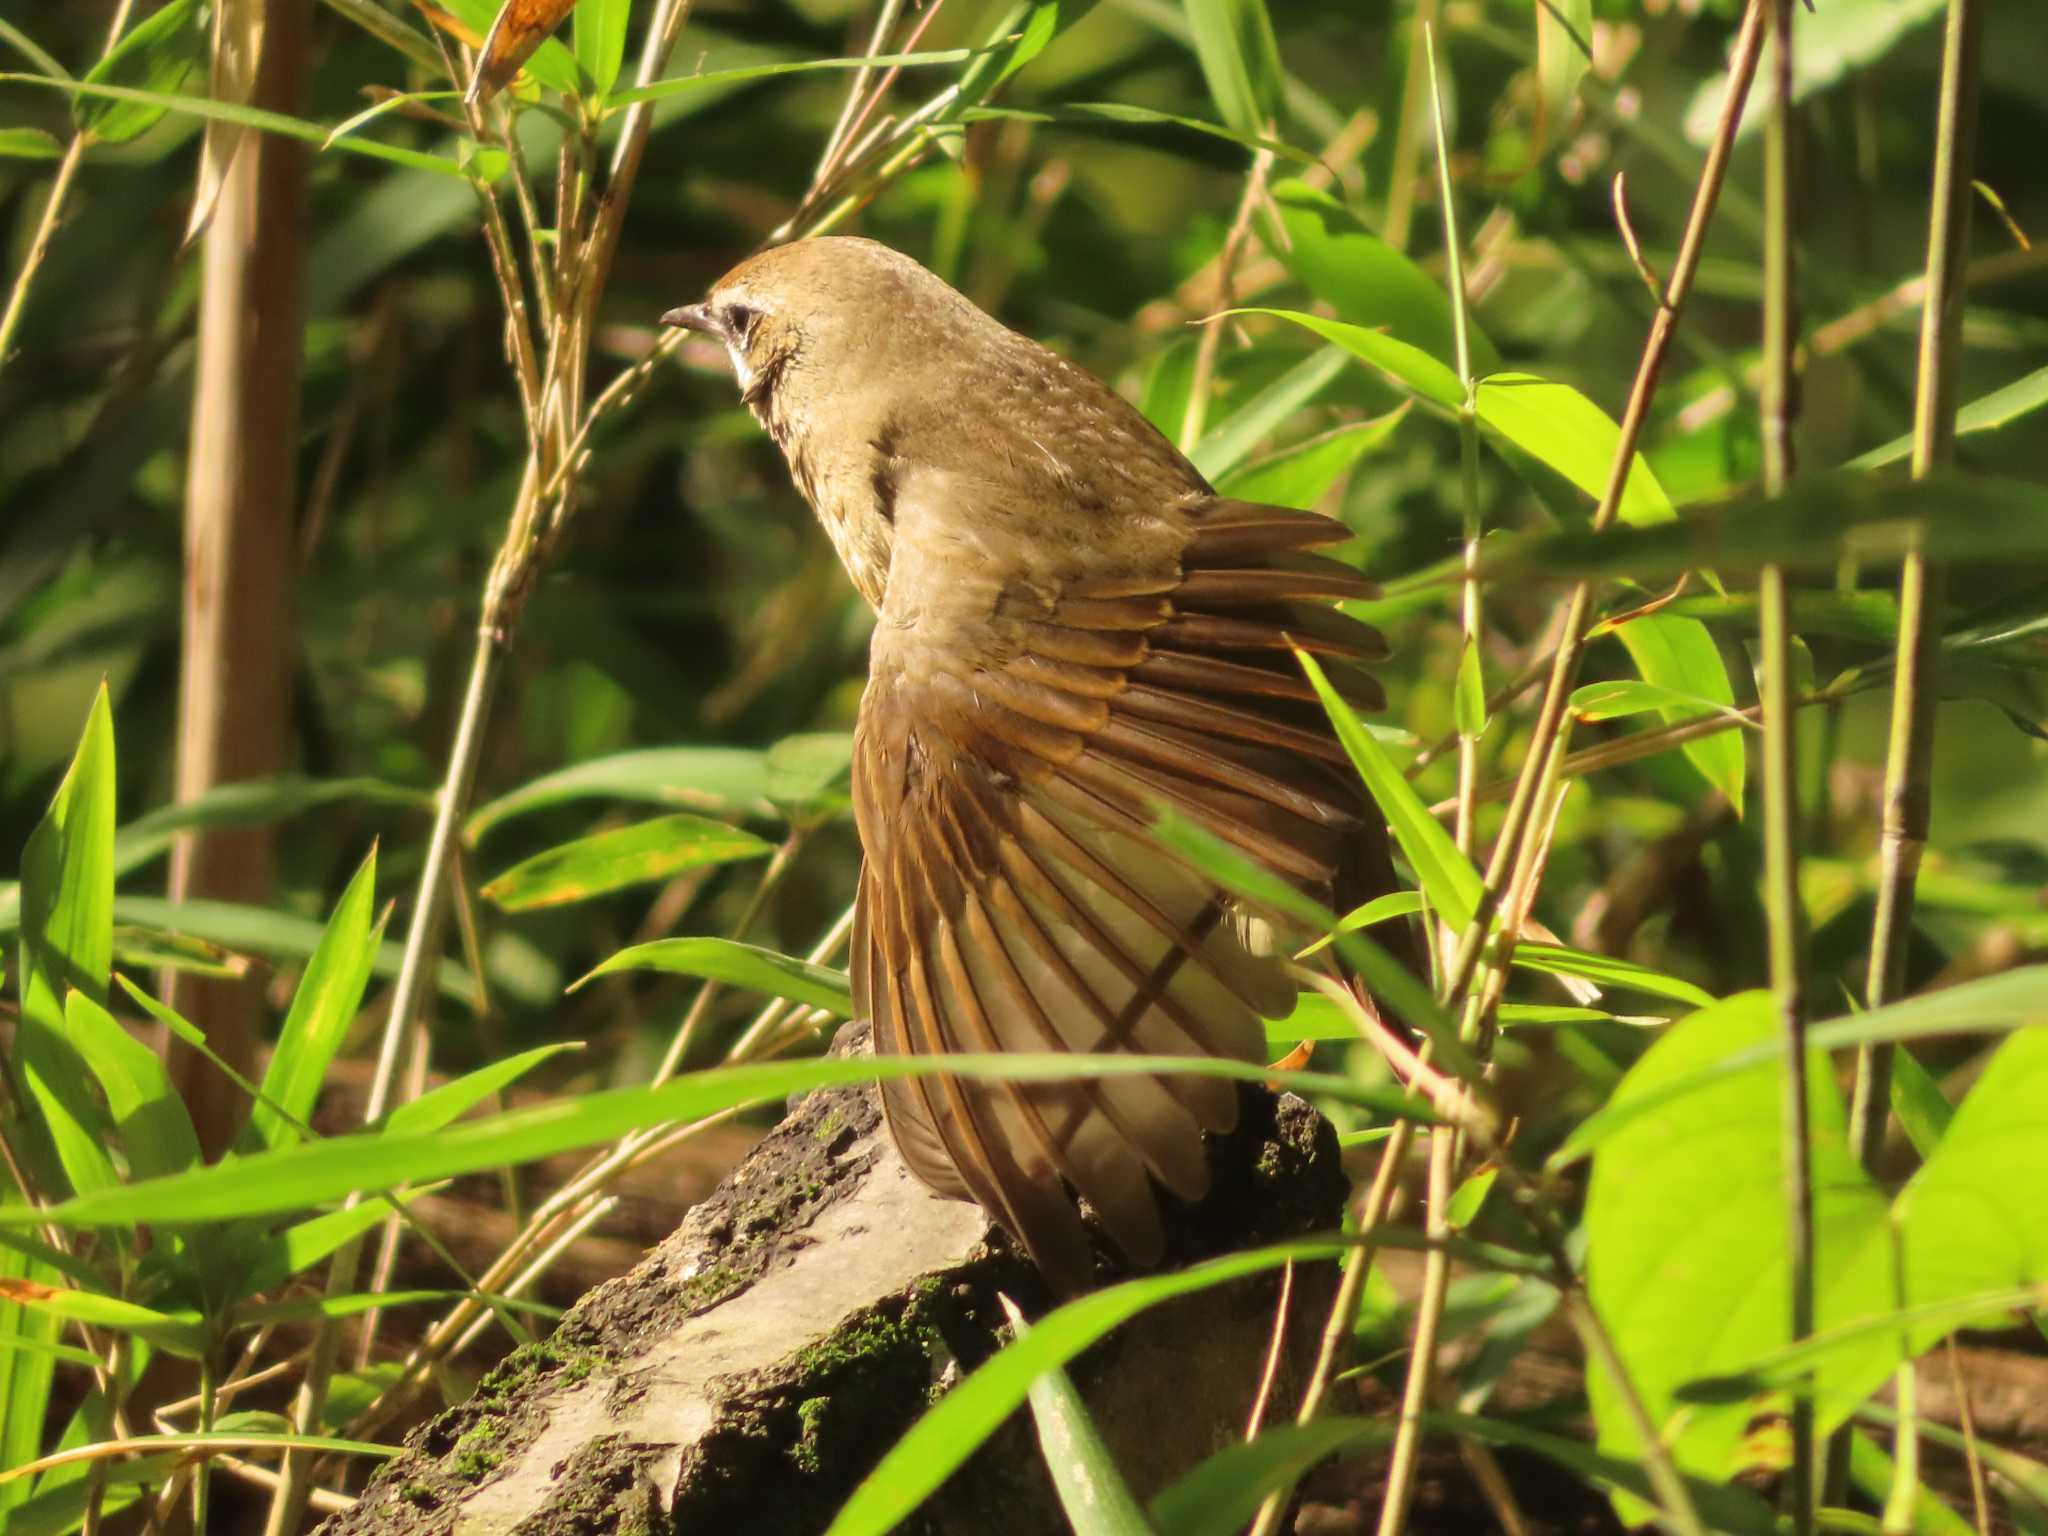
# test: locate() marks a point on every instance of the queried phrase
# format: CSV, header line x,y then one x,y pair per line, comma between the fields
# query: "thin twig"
x,y
1546,737
1211,342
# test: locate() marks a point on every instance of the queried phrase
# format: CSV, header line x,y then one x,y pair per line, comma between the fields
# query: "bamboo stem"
x,y
1787,939
1909,762
1551,717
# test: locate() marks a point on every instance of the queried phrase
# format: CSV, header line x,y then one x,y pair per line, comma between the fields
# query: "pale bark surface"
x,y
760,1361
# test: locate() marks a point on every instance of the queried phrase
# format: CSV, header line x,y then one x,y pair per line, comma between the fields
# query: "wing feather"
x,y
1017,735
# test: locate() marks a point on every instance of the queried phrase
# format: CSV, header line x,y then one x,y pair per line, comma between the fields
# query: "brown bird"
x,y
1073,629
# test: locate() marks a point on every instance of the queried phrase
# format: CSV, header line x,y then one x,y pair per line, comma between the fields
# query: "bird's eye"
x,y
739,321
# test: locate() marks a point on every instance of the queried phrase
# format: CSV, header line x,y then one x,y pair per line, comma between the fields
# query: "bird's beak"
x,y
694,317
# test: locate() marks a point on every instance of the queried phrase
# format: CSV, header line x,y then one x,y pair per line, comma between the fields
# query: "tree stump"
x,y
758,1363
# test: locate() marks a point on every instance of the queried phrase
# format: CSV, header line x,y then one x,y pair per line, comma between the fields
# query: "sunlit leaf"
x,y
739,965
609,861
311,1173
714,780
1092,1492
1302,475
157,55
1240,59
600,41
959,1422
322,1009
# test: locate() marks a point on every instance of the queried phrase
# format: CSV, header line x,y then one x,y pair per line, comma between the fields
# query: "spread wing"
x,y
1013,740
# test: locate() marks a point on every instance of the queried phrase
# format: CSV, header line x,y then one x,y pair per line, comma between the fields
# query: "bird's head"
x,y
813,321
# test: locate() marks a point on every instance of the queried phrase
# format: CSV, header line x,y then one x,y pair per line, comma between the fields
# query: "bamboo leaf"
x,y
249,117
624,856
325,1004
1366,281
311,1173
1131,116
713,780
1610,971
1302,475
1987,413
1240,59
67,938
1226,444
677,85
739,965
156,57
156,1131
1448,879
1223,1493
600,42
1092,1492
180,1333
959,1422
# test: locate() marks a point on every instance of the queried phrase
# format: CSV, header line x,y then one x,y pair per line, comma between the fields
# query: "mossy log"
x,y
759,1362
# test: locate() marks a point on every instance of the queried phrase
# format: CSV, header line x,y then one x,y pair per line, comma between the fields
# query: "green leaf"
x,y
1924,1111
1408,364
329,993
1698,1286
1468,1198
1609,971
1079,113
1959,519
156,1132
2008,1001
1872,1474
160,102
1302,475
263,931
1735,1511
181,1333
1621,697
1226,444
312,1173
739,965
1987,413
625,856
451,1101
600,38
1562,38
1448,879
1379,910
1223,1493
1240,60
276,1257
252,802
67,939
1559,427
713,780
807,773
679,84
1092,1492
157,55
1366,281
959,1422
1470,700
1971,1215
28,144
1679,655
